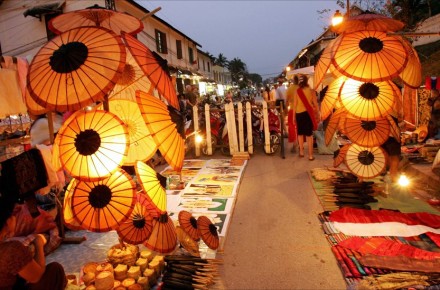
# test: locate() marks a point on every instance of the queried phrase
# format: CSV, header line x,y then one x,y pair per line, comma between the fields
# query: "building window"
x,y
209,66
191,55
161,42
179,49
204,68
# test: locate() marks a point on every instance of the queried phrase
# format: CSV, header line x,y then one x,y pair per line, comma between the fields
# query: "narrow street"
x,y
274,239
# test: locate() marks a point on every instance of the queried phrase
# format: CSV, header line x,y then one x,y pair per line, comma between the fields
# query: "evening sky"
x,y
265,35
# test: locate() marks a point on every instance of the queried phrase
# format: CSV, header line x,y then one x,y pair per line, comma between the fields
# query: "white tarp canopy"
x,y
308,70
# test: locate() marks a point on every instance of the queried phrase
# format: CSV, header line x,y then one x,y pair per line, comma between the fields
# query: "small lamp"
x,y
403,180
198,138
337,18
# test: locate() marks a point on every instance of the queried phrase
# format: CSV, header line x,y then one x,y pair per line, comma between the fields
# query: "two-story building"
x,y
24,30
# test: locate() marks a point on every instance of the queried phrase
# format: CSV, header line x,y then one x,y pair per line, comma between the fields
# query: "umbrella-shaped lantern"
x,y
141,144
137,229
153,185
189,224
131,80
104,205
412,73
367,133
208,232
76,68
187,242
331,96
154,67
324,64
32,106
163,238
334,124
368,21
365,162
93,144
68,218
339,155
368,101
96,16
370,56
167,126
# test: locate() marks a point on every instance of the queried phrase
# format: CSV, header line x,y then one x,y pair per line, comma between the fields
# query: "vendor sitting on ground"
x,y
19,267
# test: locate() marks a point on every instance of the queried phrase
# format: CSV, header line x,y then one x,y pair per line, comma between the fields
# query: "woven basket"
x,y
127,254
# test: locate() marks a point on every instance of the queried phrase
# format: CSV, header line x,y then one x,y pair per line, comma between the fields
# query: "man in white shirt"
x,y
281,94
281,99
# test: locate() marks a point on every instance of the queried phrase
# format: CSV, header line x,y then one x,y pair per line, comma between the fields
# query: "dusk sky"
x,y
265,35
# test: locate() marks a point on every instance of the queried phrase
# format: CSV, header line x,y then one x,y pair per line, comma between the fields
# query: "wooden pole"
x,y
151,13
249,128
208,130
50,124
196,129
266,128
240,127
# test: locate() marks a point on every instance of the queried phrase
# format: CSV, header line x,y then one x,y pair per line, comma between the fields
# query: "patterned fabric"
x,y
401,263
13,257
432,83
354,215
385,247
23,174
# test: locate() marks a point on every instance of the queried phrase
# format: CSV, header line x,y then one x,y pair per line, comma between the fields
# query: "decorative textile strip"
x,y
354,215
385,247
383,229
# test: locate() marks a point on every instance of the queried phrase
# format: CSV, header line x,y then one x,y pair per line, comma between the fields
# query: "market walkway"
x,y
274,239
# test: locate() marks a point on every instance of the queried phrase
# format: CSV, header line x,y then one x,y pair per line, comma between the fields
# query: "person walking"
x,y
280,102
273,95
305,104
292,132
266,94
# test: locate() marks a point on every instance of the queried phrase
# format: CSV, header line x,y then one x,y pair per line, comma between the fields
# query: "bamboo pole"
x,y
240,127
208,130
249,128
196,129
266,128
234,129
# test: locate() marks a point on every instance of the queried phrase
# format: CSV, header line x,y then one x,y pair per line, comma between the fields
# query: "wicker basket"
x,y
127,254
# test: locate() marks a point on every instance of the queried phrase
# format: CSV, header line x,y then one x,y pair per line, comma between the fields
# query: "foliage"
x,y
411,12
256,79
221,60
238,71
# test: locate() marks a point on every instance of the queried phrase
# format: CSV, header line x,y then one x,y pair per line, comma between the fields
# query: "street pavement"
x,y
274,240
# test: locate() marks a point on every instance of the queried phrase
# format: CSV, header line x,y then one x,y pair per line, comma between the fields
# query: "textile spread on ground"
x,y
391,242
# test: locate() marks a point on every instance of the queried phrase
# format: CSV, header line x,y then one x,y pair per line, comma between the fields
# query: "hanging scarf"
x,y
309,108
